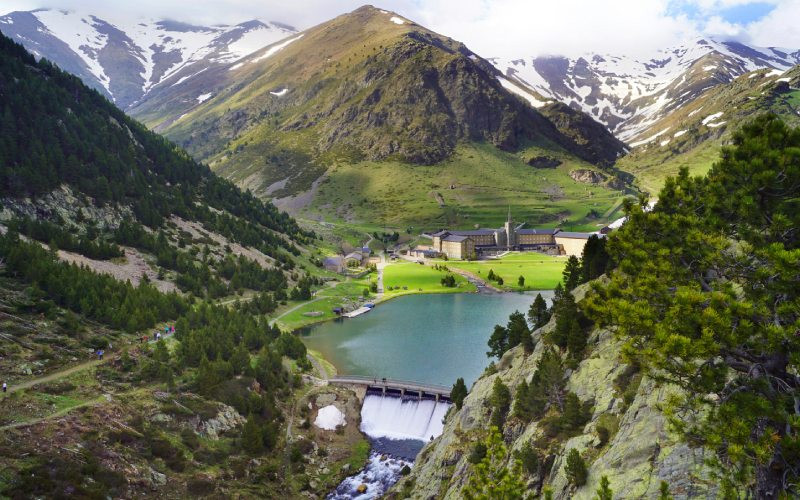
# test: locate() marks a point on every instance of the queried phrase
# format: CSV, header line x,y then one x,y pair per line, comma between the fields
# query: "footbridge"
x,y
399,388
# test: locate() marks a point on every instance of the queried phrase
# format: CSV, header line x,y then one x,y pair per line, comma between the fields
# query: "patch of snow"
x,y
679,133
753,75
715,125
254,40
204,97
774,72
329,418
282,92
695,111
515,89
276,48
6,20
783,79
649,139
709,68
397,20
711,118
664,143
236,66
384,12
81,34
184,78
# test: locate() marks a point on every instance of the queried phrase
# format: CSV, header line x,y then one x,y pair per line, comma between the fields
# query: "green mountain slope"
x,y
365,87
108,234
692,135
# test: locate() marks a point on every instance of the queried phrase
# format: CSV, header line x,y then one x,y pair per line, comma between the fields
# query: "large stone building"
x,y
467,244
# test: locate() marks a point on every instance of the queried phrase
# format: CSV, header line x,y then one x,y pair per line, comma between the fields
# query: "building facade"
x,y
457,244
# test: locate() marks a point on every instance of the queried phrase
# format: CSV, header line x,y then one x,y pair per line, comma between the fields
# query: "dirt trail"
x,y
53,376
59,413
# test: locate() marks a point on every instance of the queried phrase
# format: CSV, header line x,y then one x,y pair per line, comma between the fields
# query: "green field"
x,y
419,279
541,272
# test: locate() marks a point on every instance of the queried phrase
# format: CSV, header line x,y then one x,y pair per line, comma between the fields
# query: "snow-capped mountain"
x,y
126,59
627,94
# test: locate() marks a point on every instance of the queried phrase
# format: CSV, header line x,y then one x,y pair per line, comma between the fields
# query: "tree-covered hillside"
x,y
109,234
54,130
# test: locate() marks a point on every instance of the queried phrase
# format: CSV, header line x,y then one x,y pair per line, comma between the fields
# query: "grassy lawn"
x,y
327,298
541,272
419,279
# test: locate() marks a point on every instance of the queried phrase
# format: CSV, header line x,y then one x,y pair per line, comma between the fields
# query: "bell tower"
x,y
511,237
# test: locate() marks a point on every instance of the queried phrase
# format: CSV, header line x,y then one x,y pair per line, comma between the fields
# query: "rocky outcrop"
x,y
63,205
640,455
225,420
587,176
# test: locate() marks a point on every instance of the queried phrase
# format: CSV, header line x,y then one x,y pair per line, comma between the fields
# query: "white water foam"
x,y
398,418
378,476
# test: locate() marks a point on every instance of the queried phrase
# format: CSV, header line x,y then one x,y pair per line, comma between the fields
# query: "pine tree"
x,y
491,478
604,492
572,273
576,339
663,491
538,314
458,393
576,468
500,401
498,342
521,281
252,439
711,273
517,329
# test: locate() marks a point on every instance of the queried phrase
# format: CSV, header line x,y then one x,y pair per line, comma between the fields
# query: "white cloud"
x,y
512,28
780,27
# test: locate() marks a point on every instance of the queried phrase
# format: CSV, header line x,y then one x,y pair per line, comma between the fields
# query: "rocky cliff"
x,y
637,457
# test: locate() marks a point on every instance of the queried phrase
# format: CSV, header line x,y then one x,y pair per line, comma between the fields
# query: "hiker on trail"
x,y
5,387
100,353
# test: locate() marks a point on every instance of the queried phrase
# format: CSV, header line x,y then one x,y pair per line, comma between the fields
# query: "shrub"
x,y
576,468
477,453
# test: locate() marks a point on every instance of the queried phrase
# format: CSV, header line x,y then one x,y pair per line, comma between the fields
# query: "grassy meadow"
x,y
419,279
541,272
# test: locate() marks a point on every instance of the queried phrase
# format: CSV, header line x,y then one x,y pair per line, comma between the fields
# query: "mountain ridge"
x,y
127,58
629,94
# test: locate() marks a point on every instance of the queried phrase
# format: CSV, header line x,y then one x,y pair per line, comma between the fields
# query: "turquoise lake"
x,y
430,339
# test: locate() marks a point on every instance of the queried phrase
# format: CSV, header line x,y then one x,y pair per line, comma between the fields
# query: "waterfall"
x,y
402,418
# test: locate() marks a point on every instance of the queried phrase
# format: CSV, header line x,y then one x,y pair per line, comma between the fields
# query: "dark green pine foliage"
x,y
96,296
500,402
516,332
572,273
538,315
545,389
54,130
595,259
706,295
458,393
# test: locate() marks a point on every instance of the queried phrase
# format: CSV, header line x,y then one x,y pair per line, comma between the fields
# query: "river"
x,y
430,339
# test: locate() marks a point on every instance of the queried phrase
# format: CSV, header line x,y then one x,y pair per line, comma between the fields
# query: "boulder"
x,y
225,420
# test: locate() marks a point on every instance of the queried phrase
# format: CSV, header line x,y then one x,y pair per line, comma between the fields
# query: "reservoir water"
x,y
430,339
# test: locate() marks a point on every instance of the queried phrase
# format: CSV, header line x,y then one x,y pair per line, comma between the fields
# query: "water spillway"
x,y
402,418
398,427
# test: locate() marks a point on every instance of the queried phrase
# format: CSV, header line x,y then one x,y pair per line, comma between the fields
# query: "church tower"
x,y
511,236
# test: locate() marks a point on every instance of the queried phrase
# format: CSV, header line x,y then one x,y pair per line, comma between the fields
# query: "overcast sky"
x,y
510,28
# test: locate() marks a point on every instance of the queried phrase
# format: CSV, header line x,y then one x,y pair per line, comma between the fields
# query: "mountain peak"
x,y
127,58
630,94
